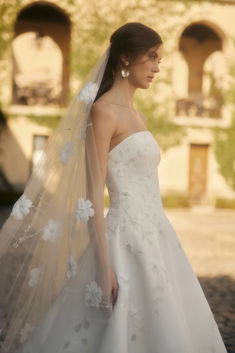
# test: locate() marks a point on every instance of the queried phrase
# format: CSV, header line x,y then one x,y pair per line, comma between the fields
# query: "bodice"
x,y
132,174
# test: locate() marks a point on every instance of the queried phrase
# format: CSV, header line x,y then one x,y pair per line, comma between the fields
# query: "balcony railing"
x,y
199,106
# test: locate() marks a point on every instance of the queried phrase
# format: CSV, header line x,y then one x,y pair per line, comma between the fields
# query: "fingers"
x,y
115,293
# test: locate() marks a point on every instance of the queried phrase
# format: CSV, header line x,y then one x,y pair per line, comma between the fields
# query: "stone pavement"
x,y
208,239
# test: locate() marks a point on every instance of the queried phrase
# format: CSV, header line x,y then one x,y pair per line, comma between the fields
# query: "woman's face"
x,y
144,67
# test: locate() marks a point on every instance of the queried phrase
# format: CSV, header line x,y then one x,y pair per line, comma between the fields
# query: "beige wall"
x,y
17,148
174,166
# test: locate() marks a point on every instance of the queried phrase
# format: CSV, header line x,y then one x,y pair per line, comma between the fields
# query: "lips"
x,y
150,78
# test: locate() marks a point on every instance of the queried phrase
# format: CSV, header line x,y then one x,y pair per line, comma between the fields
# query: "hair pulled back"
x,y
131,39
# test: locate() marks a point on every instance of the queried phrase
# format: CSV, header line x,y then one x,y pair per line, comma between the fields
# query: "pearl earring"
x,y
125,72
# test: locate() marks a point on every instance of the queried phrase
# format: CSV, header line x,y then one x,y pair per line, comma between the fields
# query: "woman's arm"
x,y
103,127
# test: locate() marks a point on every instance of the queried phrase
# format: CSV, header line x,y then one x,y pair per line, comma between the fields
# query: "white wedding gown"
x,y
161,307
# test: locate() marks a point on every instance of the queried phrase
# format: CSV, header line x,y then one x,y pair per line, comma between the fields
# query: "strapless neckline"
x,y
127,138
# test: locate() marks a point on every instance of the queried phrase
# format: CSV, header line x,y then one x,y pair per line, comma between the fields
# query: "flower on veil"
x,y
84,210
72,268
93,294
35,274
66,152
52,230
25,332
88,92
21,207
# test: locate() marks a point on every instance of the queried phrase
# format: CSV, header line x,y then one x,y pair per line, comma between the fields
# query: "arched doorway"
x,y
48,29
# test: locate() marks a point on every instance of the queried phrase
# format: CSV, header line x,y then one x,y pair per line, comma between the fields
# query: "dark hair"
x,y
132,39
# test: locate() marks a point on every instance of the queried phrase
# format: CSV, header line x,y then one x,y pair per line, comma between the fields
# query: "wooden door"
x,y
198,173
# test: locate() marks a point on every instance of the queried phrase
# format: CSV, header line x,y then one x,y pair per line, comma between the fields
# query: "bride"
x,y
73,280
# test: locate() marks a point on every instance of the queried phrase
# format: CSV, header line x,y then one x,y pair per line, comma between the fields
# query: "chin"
x,y
145,86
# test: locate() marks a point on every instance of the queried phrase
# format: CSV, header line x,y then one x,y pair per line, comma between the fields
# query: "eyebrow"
x,y
154,52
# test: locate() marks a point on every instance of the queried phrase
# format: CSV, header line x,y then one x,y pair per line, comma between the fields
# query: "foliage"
x,y
8,12
225,137
175,200
225,151
225,203
50,121
167,133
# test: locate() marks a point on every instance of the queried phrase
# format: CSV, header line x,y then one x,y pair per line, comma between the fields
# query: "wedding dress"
x,y
161,307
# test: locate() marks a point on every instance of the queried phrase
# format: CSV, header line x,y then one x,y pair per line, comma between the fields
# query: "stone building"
x,y
38,81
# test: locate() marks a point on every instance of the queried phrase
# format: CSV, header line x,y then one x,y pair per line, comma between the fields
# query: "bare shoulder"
x,y
102,115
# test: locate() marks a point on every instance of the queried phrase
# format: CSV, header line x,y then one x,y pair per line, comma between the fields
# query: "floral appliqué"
x,y
93,294
66,152
52,230
88,92
82,328
84,210
21,207
135,316
35,275
72,268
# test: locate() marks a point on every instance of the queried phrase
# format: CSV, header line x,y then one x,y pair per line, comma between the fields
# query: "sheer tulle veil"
x,y
52,246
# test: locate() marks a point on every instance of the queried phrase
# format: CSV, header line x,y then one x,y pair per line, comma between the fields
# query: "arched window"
x,y
41,55
197,42
37,70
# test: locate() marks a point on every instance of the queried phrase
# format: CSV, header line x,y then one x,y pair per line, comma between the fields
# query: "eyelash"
x,y
154,56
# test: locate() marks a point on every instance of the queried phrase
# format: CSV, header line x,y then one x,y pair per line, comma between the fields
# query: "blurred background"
x,y
46,50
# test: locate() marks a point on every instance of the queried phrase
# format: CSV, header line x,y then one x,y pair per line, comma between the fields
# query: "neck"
x,y
122,92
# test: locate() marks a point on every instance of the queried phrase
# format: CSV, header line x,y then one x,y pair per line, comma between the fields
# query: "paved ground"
x,y
209,241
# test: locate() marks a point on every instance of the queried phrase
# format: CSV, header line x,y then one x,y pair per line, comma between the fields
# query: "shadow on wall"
x,y
10,150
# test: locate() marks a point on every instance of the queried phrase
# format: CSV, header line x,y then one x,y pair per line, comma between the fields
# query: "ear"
x,y
124,58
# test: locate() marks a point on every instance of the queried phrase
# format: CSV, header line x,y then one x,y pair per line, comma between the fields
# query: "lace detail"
x,y
93,294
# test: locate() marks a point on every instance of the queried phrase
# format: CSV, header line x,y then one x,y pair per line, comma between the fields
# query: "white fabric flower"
x,y
52,230
72,268
66,152
84,210
25,332
21,207
88,92
35,274
93,294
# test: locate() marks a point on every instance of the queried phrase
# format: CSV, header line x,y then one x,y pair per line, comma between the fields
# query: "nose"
x,y
156,68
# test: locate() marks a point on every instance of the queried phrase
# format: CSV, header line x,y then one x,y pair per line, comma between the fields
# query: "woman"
x,y
84,283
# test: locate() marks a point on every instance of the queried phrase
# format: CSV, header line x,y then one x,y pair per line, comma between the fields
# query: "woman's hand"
x,y
114,286
109,290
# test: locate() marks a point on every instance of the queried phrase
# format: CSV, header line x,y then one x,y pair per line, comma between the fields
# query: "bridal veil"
x,y
55,234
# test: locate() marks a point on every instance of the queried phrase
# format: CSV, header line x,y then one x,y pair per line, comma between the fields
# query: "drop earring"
x,y
125,72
